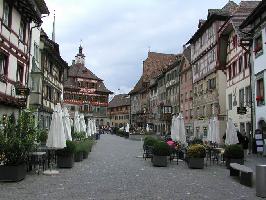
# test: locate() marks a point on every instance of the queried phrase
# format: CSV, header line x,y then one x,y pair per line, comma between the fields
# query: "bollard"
x,y
261,181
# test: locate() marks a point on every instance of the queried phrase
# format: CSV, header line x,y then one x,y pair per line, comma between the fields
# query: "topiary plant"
x,y
161,148
196,151
234,151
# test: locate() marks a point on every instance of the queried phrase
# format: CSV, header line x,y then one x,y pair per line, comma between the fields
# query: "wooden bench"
x,y
246,174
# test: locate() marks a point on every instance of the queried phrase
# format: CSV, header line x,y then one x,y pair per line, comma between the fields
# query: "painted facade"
x,y
85,92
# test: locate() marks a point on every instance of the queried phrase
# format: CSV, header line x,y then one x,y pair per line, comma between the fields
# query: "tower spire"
x,y
53,33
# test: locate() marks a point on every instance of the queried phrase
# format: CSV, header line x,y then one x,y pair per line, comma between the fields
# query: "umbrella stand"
x,y
51,162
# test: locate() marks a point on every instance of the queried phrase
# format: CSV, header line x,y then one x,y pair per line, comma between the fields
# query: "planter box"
x,y
85,155
233,160
78,156
159,161
65,161
196,163
12,173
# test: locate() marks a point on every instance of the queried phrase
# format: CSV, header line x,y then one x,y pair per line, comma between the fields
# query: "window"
x,y
211,84
7,14
246,60
241,97
3,64
19,74
234,69
229,72
234,41
230,102
22,31
240,62
248,96
260,92
258,45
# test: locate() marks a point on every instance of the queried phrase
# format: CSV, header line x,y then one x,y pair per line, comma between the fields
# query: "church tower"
x,y
80,57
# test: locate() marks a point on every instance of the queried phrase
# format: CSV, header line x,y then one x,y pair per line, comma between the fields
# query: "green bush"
x,y
78,136
196,151
196,141
161,148
234,151
86,145
69,149
17,139
42,136
149,141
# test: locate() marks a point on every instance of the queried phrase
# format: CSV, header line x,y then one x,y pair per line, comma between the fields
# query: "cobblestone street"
x,y
114,170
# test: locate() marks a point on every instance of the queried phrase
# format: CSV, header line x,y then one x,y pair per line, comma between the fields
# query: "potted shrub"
x,y
234,154
196,154
78,156
148,146
160,152
86,147
65,157
17,140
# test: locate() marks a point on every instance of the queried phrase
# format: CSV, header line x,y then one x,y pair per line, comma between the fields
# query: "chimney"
x,y
73,62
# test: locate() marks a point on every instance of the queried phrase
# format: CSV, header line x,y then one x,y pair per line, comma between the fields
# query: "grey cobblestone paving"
x,y
114,171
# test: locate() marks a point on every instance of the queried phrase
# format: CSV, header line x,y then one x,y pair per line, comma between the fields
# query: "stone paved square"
x,y
114,170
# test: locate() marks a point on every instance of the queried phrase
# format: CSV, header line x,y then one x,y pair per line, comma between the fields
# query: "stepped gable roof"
x,y
79,70
119,100
243,10
213,15
101,88
261,7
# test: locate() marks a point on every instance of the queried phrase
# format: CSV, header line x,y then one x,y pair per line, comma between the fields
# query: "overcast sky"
x,y
117,34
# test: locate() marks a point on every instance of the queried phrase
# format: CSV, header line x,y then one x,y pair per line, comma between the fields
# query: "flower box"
x,y
259,98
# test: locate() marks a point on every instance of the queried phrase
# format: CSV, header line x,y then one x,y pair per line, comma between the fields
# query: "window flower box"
x,y
259,98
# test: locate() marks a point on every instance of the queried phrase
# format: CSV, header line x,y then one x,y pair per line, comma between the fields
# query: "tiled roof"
x,y
101,88
244,9
119,100
254,14
137,87
156,63
79,70
153,66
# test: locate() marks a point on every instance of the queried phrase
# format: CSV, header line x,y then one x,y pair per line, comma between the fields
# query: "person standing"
x,y
245,142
